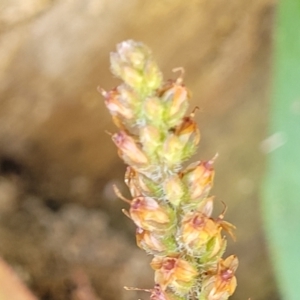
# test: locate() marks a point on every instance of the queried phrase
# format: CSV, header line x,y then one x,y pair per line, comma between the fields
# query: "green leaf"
x,y
281,191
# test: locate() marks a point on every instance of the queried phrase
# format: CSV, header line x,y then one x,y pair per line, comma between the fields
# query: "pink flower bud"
x,y
147,214
196,231
129,150
222,284
114,105
158,294
175,96
175,273
198,178
200,234
150,242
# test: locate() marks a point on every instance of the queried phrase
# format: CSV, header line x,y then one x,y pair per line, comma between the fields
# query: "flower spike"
x,y
171,204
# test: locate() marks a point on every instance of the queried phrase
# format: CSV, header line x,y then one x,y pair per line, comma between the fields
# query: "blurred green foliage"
x,y
281,192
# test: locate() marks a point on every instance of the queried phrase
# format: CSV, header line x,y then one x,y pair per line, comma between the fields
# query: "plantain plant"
x,y
171,204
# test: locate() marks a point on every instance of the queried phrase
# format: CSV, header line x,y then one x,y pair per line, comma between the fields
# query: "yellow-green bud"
x,y
153,110
150,138
135,54
175,97
152,75
133,63
181,142
174,190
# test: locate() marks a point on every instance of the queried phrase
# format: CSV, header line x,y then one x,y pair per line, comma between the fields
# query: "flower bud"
x,y
140,185
130,180
172,151
174,190
214,248
129,97
130,152
147,214
154,243
196,231
181,143
133,63
198,178
115,107
133,53
200,234
132,77
152,76
175,97
223,284
175,273
149,242
128,62
189,135
158,294
153,111
151,140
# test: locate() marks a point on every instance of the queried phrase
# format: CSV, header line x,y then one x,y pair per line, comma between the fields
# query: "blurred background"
x,y
61,226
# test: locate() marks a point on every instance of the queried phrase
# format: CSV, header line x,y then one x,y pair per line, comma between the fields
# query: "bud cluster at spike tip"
x,y
170,206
